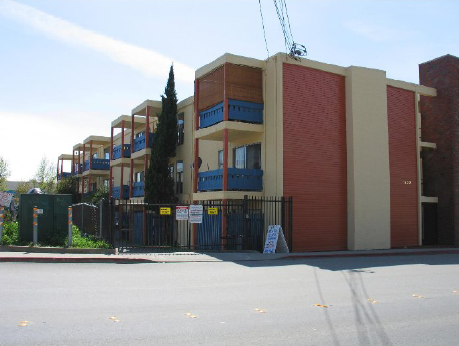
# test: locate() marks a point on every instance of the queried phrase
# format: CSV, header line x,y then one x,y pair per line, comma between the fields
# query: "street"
x,y
396,300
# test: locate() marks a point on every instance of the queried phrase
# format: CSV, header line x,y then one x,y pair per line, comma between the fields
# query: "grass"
x,y
79,240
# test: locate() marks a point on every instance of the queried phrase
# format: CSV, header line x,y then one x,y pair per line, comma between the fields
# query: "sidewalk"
x,y
179,257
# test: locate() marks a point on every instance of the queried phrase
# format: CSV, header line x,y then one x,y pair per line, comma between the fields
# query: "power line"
x,y
293,49
263,24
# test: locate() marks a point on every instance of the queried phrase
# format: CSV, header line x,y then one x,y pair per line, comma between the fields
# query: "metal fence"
x,y
226,225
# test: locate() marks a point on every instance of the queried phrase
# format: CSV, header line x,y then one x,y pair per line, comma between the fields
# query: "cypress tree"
x,y
159,185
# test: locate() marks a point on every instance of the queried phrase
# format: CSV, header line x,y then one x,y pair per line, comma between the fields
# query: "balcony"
x,y
97,164
116,192
63,175
243,111
117,151
139,142
138,189
78,169
238,180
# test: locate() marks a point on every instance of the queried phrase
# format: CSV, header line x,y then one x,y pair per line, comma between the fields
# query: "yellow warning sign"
x,y
212,211
165,211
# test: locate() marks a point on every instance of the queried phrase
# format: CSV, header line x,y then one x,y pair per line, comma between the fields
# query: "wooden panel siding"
x,y
403,167
211,89
243,83
315,168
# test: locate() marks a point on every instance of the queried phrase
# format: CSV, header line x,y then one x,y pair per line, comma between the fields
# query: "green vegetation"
x,y
159,184
4,173
10,233
79,240
68,186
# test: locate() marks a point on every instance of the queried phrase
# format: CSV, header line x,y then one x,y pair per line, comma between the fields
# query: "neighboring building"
x,y
345,143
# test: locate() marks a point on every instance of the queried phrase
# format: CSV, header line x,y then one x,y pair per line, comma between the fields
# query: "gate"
x,y
233,225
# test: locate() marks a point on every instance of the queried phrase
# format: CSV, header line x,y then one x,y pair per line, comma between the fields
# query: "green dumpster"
x,y
52,224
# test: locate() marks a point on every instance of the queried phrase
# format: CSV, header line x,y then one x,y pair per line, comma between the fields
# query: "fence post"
x,y
35,225
82,218
101,214
1,224
245,213
290,217
70,226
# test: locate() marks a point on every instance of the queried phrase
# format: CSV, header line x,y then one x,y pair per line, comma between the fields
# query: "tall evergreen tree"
x,y
159,185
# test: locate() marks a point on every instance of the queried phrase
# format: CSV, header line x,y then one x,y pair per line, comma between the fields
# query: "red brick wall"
x,y
314,119
403,167
440,125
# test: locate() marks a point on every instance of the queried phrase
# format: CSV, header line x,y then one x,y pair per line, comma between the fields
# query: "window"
x,y
171,169
94,156
179,180
106,183
107,153
220,159
248,156
140,134
93,187
139,176
180,129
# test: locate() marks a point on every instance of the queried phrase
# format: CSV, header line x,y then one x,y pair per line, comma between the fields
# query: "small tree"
x,y
159,185
4,173
69,186
45,177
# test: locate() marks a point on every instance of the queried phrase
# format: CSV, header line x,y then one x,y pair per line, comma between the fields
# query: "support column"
x,y
73,163
131,167
147,128
121,181
110,183
62,169
368,175
196,156
90,154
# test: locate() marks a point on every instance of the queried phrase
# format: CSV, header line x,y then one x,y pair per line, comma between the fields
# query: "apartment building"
x,y
345,142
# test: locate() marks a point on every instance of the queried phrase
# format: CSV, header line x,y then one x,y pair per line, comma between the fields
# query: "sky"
x,y
70,67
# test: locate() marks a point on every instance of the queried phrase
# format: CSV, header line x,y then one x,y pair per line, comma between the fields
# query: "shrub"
x,y
83,241
10,233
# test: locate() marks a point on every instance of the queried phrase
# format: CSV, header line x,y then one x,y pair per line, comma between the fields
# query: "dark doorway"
x,y
429,224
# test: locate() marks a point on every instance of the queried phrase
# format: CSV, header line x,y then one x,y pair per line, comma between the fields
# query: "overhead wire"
x,y
263,24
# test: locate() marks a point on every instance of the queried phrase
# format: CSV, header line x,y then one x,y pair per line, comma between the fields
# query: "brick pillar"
x,y
440,125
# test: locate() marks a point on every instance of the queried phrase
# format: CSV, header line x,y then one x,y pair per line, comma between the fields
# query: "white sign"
x,y
181,212
39,211
195,213
5,199
275,238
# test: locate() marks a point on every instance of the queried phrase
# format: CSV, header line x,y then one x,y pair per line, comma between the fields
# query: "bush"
x,y
10,233
79,241
83,241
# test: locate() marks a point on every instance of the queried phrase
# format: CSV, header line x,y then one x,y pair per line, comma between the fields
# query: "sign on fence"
x,y
164,211
5,199
181,213
195,213
275,239
212,211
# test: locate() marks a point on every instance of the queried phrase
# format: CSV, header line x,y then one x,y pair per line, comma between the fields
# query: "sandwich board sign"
x,y
181,212
275,240
195,213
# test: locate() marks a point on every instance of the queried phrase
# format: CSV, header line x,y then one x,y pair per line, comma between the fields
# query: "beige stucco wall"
x,y
367,159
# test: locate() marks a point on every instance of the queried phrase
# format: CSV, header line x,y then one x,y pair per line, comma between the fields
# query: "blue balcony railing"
x,y
138,190
117,151
139,142
238,180
98,164
63,175
248,112
116,192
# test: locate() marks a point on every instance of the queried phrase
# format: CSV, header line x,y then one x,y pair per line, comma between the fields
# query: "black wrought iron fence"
x,y
226,225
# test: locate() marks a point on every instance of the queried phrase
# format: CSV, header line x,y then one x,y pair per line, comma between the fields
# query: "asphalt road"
x,y
364,301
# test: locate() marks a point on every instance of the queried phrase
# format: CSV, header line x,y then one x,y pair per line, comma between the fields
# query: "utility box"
x,y
52,223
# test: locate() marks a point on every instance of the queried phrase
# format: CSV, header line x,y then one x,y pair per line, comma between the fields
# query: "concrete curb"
x,y
61,250
126,260
376,254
